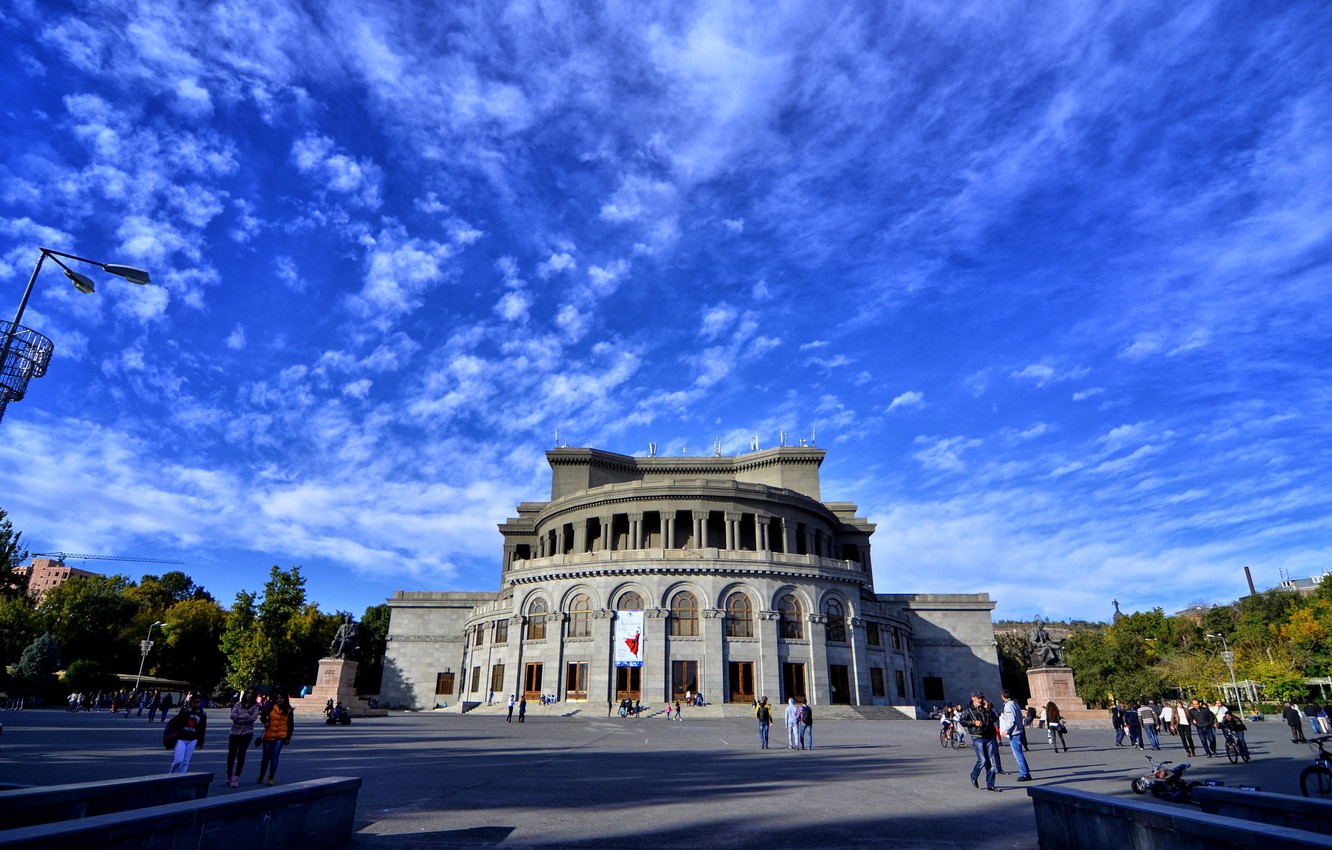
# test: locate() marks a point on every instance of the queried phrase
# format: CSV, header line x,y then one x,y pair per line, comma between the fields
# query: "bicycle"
x,y
953,736
1316,780
1232,746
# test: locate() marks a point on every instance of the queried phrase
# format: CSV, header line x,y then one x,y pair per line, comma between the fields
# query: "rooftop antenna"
x,y
782,437
716,447
557,438
684,451
652,449
753,443
811,436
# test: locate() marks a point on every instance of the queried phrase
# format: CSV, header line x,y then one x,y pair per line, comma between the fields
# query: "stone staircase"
x,y
712,711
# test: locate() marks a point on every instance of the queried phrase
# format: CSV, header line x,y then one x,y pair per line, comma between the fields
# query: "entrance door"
x,y
793,682
628,683
575,685
840,683
684,677
740,680
532,681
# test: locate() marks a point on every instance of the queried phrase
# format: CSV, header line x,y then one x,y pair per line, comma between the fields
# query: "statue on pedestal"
x,y
344,642
1044,652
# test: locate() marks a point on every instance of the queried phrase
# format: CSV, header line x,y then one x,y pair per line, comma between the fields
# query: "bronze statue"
x,y
1044,651
344,642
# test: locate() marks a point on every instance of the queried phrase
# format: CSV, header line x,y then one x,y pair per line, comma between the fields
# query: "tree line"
x,y
91,628
1280,638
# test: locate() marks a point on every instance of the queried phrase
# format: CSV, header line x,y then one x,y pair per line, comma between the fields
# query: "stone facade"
x,y
748,583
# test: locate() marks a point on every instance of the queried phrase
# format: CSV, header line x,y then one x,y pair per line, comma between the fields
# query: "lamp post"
x,y
145,646
26,353
1229,657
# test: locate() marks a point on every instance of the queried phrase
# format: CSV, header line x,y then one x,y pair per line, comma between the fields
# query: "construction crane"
x,y
61,556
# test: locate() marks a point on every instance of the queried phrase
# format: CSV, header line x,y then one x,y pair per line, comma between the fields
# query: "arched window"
x,y
836,628
684,614
536,620
792,614
630,601
580,616
739,616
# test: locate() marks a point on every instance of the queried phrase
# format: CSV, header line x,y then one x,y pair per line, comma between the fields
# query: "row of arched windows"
x,y
684,616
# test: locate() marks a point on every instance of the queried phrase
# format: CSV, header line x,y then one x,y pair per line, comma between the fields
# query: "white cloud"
x,y
910,398
559,262
236,339
357,179
716,320
513,306
944,454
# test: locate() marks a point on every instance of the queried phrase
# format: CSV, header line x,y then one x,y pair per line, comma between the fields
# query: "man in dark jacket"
x,y
1293,719
982,723
1117,721
1205,722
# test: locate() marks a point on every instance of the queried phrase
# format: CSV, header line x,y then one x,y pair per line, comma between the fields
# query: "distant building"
x,y
1194,613
650,578
45,573
1303,586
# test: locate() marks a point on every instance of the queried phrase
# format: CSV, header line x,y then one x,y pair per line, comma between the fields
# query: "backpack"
x,y
806,715
169,734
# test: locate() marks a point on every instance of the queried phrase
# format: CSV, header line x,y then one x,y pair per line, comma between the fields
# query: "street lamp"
x,y
1229,657
145,646
26,353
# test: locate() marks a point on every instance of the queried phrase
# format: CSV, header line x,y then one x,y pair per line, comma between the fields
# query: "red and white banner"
x,y
629,639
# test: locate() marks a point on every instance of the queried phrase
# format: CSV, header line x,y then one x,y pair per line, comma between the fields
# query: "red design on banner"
x,y
632,643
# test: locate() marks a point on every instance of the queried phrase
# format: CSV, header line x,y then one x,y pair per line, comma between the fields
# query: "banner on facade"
x,y
629,639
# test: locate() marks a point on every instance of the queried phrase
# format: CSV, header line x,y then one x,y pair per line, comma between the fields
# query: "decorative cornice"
x,y
425,638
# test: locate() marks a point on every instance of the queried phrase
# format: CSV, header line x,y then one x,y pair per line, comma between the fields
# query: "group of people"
x,y
123,701
189,727
1142,724
1320,720
799,720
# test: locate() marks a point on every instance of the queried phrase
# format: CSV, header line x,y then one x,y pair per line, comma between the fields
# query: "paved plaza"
x,y
442,780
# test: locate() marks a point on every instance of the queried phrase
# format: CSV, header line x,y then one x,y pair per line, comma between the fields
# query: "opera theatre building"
x,y
649,578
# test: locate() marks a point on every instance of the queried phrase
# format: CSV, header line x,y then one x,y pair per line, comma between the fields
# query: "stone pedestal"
x,y
1055,684
335,681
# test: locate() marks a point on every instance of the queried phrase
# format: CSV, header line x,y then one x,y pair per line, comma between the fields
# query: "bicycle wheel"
x,y
1232,752
1316,781
943,738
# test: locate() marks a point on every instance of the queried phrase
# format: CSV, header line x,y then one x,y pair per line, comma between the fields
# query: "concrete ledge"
x,y
309,815
49,803
1262,807
1080,820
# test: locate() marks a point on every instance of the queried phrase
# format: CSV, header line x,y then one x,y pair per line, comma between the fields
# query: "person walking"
x,y
1205,722
1295,721
522,709
189,724
1134,725
244,714
1054,726
792,720
512,701
981,722
1117,721
1147,717
1184,728
1011,725
764,716
805,728
279,720
165,707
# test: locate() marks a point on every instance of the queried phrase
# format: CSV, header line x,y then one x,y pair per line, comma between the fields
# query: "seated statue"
x,y
344,642
1044,651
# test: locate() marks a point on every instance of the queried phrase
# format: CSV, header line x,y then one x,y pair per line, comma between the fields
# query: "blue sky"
x,y
1050,283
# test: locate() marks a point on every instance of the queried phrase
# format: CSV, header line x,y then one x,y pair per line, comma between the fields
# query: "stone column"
x,y
559,540
711,667
517,631
636,531
668,529
552,681
656,666
732,528
768,677
600,672
858,662
700,529
818,660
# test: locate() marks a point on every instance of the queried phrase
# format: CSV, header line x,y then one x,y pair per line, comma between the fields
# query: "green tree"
x,y
280,639
89,677
12,554
191,642
35,671
19,625
373,642
83,611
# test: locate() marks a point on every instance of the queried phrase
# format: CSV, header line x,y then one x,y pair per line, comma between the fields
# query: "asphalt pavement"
x,y
440,780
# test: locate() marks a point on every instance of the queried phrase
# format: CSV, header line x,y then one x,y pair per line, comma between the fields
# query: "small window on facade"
x,y
933,685
480,637
684,615
739,616
835,630
897,638
580,616
792,613
476,679
443,683
901,685
872,634
876,681
536,620
630,601
501,631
